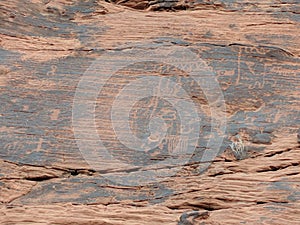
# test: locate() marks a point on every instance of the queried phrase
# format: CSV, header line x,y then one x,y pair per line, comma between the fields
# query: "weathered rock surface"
x,y
47,45
262,139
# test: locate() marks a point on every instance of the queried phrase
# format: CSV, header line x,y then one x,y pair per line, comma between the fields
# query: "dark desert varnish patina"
x,y
47,45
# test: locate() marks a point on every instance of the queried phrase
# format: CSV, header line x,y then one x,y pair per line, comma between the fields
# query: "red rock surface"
x,y
47,45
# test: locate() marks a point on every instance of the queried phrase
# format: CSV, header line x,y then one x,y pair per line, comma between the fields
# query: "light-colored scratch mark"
x,y
239,68
53,71
39,146
26,107
54,115
277,117
177,144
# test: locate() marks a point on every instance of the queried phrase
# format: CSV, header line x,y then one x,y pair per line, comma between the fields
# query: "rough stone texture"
x,y
47,45
262,139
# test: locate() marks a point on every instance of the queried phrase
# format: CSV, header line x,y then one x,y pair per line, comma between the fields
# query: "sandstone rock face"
x,y
179,75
